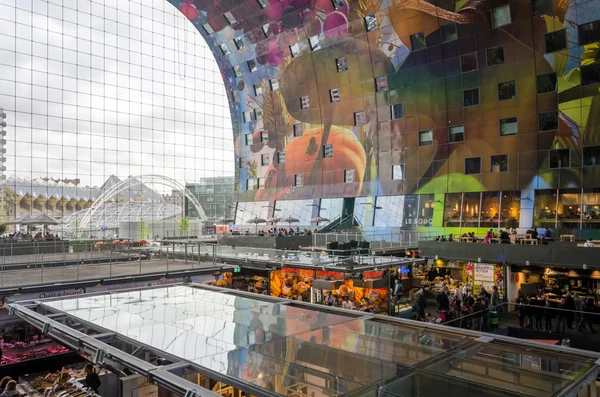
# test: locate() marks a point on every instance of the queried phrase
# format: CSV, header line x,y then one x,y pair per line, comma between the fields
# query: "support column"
x,y
526,216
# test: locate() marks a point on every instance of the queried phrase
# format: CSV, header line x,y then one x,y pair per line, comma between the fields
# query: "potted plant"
x,y
512,224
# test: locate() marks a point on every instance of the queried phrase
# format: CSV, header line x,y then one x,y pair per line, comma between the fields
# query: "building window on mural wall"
x,y
473,165
274,83
239,42
448,32
417,41
495,56
299,180
314,43
456,133
264,136
263,3
265,29
252,66
260,183
237,70
548,121
337,4
224,49
381,84
590,74
258,114
360,118
371,22
499,163
327,151
589,33
248,138
556,41
341,64
398,172
304,102
258,89
265,160
334,95
468,62
501,16
471,97
247,117
229,18
546,83
509,126
540,7
281,157
426,138
560,158
507,90
242,162
397,111
208,29
348,176
251,184
591,156
297,129
295,49
235,95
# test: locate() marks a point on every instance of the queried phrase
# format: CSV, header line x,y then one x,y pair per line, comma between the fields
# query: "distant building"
x,y
215,196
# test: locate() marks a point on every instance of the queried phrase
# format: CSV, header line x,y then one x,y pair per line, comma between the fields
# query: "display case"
x,y
68,382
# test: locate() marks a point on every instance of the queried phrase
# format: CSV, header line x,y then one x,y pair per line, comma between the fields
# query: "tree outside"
x,y
184,225
143,229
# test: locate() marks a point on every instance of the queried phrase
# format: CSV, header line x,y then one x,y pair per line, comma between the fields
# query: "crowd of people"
x,y
503,235
277,232
27,236
572,310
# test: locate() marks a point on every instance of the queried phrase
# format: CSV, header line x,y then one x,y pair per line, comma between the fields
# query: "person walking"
x,y
520,311
561,321
478,315
443,304
538,312
459,296
586,308
422,305
570,306
548,316
529,312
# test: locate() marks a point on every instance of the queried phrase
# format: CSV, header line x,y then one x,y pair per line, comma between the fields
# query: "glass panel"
x,y
560,158
495,56
298,209
490,209
591,209
473,165
468,62
471,97
417,41
591,156
448,32
548,121
425,138
545,208
590,74
452,209
499,163
546,83
330,209
471,210
510,207
501,16
364,211
397,111
589,33
247,210
507,90
556,41
569,209
398,171
390,211
509,126
456,133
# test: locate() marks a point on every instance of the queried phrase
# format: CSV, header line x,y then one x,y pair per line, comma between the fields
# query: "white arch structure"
x,y
132,181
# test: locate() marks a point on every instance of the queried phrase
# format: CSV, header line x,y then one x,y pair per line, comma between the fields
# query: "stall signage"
x,y
484,272
368,275
329,274
294,270
237,269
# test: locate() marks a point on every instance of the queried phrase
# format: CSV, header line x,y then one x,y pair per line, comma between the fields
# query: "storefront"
x,y
540,281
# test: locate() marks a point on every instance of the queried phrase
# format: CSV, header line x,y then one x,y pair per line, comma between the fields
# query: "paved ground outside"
x,y
44,275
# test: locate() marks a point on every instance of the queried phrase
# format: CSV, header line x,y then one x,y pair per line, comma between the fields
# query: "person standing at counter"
x,y
330,300
443,304
432,274
561,321
459,296
586,308
529,312
570,305
92,380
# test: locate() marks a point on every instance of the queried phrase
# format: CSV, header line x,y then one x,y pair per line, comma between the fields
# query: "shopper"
x,y
478,314
570,306
330,300
10,390
548,316
538,312
443,304
92,380
561,321
422,305
459,296
495,299
586,307
520,311
3,383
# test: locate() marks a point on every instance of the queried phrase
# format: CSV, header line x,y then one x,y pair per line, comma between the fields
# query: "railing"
x,y
378,240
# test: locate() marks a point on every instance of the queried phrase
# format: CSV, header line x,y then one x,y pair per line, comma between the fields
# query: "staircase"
x,y
338,223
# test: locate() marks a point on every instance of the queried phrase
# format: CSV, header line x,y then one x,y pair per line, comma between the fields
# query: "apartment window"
x,y
468,62
229,18
501,16
264,136
398,171
304,102
258,114
495,56
397,111
541,7
417,41
591,156
314,43
556,41
360,118
381,84
471,97
265,160
258,89
426,138
250,184
274,84
590,74
348,176
499,163
507,90
248,138
334,95
208,28
342,64
281,157
235,95
297,129
456,133
337,4
242,162
263,3
560,158
548,121
509,126
261,183
265,29
295,50
473,165
237,70
248,116
589,33
224,49
448,31
239,42
371,22
327,151
252,66
546,83
299,180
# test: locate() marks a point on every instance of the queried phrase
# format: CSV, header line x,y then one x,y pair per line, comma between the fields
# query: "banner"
x,y
484,272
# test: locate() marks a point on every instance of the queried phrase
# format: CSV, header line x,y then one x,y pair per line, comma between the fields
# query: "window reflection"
x,y
471,209
452,209
510,207
569,209
591,208
490,206
545,208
